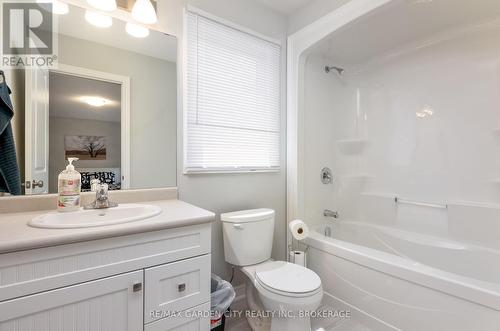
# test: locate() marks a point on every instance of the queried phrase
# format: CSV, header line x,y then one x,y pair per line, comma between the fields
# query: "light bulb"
x,y
95,101
99,20
105,5
58,7
144,12
136,30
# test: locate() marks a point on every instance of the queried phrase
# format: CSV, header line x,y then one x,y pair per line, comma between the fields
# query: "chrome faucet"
x,y
101,196
330,213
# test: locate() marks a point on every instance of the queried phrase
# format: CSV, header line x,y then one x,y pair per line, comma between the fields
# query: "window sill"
x,y
229,171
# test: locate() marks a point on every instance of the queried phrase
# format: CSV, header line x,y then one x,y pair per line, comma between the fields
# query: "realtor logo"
x,y
27,34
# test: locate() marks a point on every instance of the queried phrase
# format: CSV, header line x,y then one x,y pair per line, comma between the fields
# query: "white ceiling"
x,y
66,91
286,7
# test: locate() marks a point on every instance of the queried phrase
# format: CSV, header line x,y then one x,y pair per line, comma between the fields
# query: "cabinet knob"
x,y
181,287
137,287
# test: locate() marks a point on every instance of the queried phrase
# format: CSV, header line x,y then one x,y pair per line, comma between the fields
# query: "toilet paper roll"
x,y
298,257
299,229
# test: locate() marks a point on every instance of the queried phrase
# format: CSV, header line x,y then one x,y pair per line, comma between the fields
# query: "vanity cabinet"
x,y
109,304
176,286
149,281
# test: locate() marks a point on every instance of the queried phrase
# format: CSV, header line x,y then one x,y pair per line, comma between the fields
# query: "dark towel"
x,y
10,180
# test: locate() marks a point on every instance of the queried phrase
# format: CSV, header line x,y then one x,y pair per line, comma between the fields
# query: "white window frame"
x,y
184,117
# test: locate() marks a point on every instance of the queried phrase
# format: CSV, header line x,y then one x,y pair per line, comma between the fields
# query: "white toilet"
x,y
286,289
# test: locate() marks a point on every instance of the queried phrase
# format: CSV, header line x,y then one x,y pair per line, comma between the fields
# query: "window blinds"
x,y
233,99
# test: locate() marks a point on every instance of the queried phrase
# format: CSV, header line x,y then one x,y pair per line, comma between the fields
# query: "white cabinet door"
x,y
195,319
176,286
109,304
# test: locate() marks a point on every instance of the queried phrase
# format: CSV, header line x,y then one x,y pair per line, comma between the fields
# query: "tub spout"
x,y
330,213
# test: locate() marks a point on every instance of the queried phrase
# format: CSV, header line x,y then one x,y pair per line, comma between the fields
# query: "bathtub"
x,y
407,281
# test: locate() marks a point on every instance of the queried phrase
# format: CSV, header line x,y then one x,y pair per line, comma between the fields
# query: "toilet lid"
x,y
287,277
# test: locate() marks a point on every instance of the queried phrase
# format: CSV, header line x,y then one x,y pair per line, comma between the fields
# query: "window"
x,y
232,120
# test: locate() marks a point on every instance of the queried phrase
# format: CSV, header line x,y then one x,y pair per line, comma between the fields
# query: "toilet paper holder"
x,y
299,258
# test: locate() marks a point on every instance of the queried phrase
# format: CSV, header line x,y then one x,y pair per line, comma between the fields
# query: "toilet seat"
x,y
288,279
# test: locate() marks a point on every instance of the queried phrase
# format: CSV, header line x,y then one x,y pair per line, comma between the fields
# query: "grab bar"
x,y
398,200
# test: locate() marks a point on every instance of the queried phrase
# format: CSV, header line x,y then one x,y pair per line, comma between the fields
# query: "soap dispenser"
x,y
69,188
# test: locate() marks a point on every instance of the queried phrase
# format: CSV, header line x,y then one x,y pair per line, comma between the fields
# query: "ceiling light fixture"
x,y
95,101
144,12
105,5
136,30
97,19
58,7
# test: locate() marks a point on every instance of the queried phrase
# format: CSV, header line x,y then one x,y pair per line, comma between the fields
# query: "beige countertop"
x,y
17,235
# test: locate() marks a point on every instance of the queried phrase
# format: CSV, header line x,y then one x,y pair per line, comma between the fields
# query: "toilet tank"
x,y
248,236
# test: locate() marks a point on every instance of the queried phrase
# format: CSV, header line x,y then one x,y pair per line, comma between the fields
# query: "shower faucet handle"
x,y
326,176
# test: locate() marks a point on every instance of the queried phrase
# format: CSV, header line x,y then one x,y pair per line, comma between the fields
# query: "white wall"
x,y
229,192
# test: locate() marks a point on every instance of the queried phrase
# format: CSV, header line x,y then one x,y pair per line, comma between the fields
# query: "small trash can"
x,y
221,297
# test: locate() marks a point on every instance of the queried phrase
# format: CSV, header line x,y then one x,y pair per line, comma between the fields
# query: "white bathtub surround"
x,y
409,130
401,116
461,221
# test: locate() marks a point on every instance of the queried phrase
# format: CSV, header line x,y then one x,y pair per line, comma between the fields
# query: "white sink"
x,y
124,213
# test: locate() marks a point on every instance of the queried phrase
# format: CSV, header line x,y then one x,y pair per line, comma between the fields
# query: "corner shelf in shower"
x,y
351,146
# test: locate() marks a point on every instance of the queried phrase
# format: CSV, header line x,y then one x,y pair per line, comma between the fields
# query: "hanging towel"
x,y
10,179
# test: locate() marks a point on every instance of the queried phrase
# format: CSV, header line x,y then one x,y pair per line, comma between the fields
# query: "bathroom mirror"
x,y
111,101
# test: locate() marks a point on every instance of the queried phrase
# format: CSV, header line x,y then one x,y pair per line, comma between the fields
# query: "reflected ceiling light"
x,y
95,101
136,30
105,5
99,20
144,12
58,7
428,110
